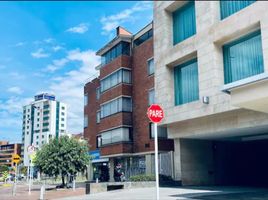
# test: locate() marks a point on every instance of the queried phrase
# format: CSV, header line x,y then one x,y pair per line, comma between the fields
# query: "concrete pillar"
x,y
177,160
148,164
111,169
90,172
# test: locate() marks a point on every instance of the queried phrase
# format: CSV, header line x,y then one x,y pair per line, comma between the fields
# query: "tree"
x,y
62,157
3,168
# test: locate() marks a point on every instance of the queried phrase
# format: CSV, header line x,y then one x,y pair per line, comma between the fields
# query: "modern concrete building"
x,y
116,124
211,78
43,119
6,152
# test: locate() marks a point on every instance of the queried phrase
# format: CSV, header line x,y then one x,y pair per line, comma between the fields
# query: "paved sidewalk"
x,y
182,193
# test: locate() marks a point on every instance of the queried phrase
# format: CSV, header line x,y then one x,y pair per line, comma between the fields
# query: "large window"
x,y
123,48
184,25
123,104
230,7
151,96
161,131
186,82
115,135
143,38
243,58
122,75
150,66
85,121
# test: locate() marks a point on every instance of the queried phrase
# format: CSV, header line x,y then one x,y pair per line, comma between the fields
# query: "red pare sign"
x,y
155,113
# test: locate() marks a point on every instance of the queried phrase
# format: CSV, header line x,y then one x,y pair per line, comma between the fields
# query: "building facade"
x,y
6,152
211,70
116,124
43,119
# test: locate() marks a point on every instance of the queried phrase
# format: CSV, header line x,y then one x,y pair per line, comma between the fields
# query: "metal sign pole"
x,y
15,180
30,178
156,161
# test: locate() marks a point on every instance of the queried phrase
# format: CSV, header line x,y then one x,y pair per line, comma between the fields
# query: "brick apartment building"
x,y
6,152
116,102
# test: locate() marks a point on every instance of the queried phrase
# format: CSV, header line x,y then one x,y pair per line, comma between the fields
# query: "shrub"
x,y
142,177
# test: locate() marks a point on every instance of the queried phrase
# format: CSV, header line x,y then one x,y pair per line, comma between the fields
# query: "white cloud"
x,y
57,48
16,75
69,88
16,90
48,40
109,23
19,44
81,28
40,53
56,64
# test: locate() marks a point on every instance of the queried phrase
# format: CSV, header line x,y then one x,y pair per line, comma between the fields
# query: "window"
x,y
46,112
98,141
151,97
43,136
37,137
85,121
45,124
45,118
161,131
123,48
37,143
62,125
37,125
63,108
115,135
62,119
46,106
98,93
184,25
98,117
122,75
186,82
38,113
150,66
45,130
243,58
230,7
85,99
123,104
38,119
143,38
62,113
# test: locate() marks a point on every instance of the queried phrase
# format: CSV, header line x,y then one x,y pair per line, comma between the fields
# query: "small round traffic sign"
x,y
155,113
31,149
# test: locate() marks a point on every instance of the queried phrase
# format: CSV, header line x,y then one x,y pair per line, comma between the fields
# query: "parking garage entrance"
x,y
234,162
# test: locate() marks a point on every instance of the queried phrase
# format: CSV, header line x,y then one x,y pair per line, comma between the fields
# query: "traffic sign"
x,y
155,113
31,150
16,158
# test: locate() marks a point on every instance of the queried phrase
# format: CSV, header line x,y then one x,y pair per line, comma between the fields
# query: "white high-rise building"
x,y
43,119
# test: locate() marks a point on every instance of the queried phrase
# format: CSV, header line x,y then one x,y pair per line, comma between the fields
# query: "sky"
x,y
50,47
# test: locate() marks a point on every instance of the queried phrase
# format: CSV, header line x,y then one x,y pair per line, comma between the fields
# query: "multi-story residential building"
x,y
211,78
43,119
116,124
6,152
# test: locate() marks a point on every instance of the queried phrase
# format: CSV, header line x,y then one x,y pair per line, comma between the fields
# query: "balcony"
x,y
249,93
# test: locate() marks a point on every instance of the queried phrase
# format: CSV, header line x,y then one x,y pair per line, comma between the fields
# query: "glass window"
x,y
230,7
186,82
161,131
118,105
143,38
151,97
184,25
85,99
122,75
98,117
85,121
99,141
123,48
98,93
150,66
243,58
113,136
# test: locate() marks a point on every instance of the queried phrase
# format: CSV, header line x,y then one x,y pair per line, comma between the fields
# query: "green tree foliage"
x,y
63,156
3,168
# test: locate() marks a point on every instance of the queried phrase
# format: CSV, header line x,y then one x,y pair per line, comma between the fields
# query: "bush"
x,y
142,177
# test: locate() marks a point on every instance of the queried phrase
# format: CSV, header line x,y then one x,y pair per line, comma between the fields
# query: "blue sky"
x,y
50,47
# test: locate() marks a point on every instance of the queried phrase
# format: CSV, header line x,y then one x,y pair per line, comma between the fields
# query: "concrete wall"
x,y
197,164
